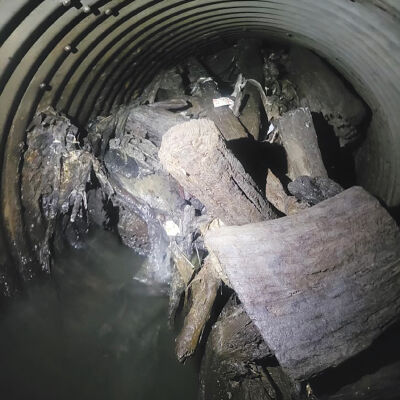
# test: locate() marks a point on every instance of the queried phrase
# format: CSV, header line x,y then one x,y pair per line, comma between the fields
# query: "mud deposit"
x,y
96,334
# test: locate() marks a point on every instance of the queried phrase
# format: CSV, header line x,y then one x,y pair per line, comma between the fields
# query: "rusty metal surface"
x,y
84,57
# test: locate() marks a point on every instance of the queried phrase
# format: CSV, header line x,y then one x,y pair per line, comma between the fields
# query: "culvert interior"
x,y
85,57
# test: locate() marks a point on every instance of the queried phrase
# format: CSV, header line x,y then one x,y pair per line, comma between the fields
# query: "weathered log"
x,y
183,271
321,89
204,90
237,362
298,135
195,154
204,291
250,64
155,121
276,195
311,281
234,336
202,301
142,121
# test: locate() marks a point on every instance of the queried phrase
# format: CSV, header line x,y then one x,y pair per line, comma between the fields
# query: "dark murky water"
x,y
100,335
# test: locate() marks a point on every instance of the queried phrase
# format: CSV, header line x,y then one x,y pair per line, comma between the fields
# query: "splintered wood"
x,y
204,291
195,154
277,196
320,285
298,135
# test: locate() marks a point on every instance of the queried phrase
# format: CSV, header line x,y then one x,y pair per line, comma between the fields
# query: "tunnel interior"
x,y
85,58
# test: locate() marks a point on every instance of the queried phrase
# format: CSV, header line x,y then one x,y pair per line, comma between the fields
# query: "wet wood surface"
x,y
320,285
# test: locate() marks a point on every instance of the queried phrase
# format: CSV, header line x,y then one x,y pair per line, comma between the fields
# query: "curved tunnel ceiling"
x,y
84,57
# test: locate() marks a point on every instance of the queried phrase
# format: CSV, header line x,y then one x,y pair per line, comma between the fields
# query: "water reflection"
x,y
96,334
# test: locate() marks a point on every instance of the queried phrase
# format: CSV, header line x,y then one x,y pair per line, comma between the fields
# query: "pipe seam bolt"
x,y
87,9
66,3
68,48
108,11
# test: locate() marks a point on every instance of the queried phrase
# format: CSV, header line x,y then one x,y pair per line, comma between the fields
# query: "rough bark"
x,y
311,281
195,154
238,364
250,64
276,195
203,291
298,135
320,88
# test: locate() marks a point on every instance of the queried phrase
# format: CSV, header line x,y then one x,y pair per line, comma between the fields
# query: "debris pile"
x,y
196,174
56,175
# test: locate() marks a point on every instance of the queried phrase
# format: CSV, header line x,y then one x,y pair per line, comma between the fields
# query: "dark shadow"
x,y
384,351
338,161
395,213
258,157
224,294
95,11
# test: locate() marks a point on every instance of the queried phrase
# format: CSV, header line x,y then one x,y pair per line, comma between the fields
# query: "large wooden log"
x,y
298,135
234,336
320,285
195,154
155,121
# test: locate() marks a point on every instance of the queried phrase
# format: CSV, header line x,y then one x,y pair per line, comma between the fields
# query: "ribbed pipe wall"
x,y
116,46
